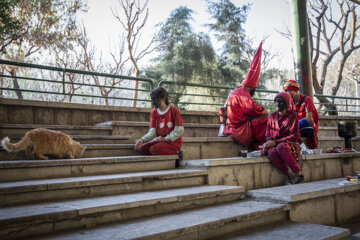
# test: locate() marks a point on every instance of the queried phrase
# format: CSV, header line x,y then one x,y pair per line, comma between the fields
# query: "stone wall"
x,y
13,111
255,173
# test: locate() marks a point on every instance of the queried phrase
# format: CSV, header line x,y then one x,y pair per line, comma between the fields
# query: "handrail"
x,y
64,83
192,95
69,70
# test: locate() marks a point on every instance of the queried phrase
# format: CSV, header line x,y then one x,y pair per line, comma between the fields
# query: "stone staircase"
x,y
114,193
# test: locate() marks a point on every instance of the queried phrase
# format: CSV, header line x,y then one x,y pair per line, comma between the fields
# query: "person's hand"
x,y
160,139
138,144
270,144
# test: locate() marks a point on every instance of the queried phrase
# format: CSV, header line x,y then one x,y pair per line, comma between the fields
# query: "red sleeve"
x,y
269,127
294,134
252,108
309,105
153,119
177,117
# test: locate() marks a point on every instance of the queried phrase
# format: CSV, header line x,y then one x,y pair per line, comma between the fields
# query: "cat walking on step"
x,y
41,141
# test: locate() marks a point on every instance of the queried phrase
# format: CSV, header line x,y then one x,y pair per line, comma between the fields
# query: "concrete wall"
x,y
13,111
255,173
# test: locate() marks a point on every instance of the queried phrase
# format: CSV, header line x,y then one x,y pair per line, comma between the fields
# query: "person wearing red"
x,y
308,116
166,127
246,119
283,138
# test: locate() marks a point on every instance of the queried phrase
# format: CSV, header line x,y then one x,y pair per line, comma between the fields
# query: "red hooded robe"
x,y
242,110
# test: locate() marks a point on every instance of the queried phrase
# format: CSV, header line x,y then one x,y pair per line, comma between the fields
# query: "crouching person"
x,y
283,138
166,127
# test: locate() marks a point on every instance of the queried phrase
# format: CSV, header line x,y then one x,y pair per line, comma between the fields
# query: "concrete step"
x,y
284,231
92,151
332,121
259,172
329,142
137,129
331,131
45,112
204,223
21,192
194,148
329,202
45,218
21,129
19,170
88,139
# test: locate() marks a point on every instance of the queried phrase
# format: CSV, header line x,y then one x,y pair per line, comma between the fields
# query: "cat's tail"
x,y
14,147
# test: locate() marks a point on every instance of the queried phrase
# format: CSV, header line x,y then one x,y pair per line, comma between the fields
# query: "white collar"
x,y
162,113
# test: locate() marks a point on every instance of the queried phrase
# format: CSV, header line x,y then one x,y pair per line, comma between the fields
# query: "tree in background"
x,y
228,29
86,58
44,25
133,20
335,29
188,57
10,26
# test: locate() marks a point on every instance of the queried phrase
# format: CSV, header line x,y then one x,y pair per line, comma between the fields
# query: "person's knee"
x,y
305,128
272,153
280,146
156,149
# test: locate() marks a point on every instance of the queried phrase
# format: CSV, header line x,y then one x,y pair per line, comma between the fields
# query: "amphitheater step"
x,y
19,221
137,129
194,148
21,129
21,192
331,131
203,223
19,170
259,172
92,151
329,142
284,231
329,202
87,139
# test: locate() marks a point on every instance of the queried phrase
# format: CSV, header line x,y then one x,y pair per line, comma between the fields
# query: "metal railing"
x,y
193,96
63,85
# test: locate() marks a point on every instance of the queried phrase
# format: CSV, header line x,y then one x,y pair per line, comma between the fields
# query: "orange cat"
x,y
41,141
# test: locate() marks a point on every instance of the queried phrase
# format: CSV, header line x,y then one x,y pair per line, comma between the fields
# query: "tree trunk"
x,y
16,85
330,107
137,74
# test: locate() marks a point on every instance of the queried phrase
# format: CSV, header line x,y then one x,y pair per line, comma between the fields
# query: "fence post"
x,y
63,80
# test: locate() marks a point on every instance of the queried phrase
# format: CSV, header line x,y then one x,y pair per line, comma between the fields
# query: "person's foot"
x,y
288,180
295,179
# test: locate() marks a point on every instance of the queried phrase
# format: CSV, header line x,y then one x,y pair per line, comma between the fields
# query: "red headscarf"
x,y
252,77
292,85
287,97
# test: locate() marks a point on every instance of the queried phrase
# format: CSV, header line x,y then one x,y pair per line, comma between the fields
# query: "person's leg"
x,y
306,129
163,148
285,154
258,129
277,161
145,148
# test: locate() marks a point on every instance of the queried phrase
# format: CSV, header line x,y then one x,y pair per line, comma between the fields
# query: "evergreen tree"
x,y
188,58
228,29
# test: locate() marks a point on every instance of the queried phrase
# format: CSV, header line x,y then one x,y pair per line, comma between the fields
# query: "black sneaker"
x,y
295,179
288,180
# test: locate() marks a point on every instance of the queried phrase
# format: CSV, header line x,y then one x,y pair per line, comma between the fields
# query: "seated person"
x,y
246,119
308,116
283,138
166,127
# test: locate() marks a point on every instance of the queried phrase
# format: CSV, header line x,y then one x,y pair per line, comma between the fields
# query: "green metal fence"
x,y
69,82
48,83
